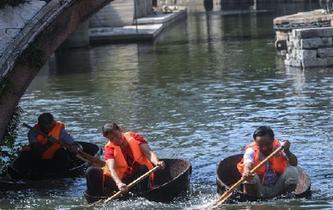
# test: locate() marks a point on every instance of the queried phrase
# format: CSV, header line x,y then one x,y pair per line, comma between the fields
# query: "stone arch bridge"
x,y
32,46
36,39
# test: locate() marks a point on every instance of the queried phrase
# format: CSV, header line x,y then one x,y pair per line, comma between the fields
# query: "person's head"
x,y
112,132
264,137
46,122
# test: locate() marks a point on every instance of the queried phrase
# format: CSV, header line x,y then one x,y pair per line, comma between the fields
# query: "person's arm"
x,y
111,165
291,157
248,160
66,138
35,146
151,155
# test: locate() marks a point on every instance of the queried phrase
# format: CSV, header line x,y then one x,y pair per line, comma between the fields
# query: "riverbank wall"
x,y
310,47
305,39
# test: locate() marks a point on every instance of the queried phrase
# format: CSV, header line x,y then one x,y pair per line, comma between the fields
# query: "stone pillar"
x,y
80,38
209,5
255,3
143,8
121,13
72,61
116,14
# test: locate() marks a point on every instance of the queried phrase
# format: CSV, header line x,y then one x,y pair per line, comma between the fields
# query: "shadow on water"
x,y
43,194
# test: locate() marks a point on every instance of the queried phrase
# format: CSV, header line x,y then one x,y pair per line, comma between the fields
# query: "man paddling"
x,y
127,156
43,155
278,176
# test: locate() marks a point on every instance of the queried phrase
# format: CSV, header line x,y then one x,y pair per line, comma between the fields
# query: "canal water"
x,y
198,92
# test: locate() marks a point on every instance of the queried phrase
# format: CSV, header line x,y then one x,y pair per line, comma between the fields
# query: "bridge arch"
x,y
26,56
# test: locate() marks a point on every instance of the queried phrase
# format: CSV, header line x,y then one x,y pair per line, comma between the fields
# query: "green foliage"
x,y
8,150
11,132
11,2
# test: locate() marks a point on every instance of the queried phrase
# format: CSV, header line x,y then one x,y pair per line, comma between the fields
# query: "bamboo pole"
x,y
129,186
132,184
229,191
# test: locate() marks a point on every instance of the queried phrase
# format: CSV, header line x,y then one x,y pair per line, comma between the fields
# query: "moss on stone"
x,y
8,149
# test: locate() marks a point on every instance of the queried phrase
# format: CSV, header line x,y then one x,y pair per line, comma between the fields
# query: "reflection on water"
x,y
236,4
198,93
73,61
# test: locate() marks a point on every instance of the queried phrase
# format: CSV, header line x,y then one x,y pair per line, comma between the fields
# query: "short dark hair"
x,y
45,119
109,127
263,131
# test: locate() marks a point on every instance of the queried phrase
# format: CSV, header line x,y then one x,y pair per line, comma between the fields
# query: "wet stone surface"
x,y
13,19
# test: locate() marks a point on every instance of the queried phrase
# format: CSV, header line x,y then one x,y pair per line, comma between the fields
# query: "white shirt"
x,y
248,157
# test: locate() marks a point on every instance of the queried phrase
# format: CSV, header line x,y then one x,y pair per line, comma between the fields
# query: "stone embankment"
x,y
310,48
284,25
305,39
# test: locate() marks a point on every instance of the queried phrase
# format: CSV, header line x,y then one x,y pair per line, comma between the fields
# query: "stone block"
x,y
295,33
327,32
330,61
305,54
281,35
325,52
307,33
296,43
315,62
314,43
288,56
292,62
293,54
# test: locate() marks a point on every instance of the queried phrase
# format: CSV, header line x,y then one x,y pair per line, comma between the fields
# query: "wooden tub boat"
x,y
77,168
169,183
227,175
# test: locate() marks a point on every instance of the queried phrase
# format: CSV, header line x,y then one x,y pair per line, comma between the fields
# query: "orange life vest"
x,y
121,165
55,133
278,162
